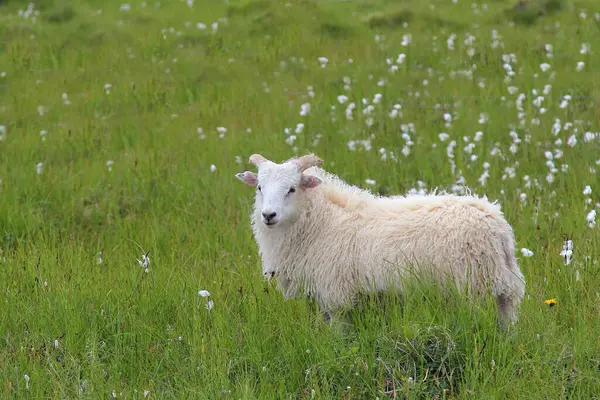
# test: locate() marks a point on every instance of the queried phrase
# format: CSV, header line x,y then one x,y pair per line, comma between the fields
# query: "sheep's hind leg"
x,y
507,311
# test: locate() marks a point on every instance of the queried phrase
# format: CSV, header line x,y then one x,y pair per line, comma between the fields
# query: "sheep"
x,y
321,237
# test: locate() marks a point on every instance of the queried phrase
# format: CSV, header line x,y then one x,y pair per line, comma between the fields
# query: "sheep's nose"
x,y
269,215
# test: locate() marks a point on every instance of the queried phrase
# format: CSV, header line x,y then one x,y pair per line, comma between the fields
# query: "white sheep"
x,y
321,237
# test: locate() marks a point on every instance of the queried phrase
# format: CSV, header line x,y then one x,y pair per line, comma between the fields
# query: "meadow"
x,y
127,263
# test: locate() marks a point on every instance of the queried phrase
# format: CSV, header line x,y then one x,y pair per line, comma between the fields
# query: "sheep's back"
x,y
459,235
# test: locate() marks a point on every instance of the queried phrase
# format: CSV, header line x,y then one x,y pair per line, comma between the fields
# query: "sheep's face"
x,y
280,191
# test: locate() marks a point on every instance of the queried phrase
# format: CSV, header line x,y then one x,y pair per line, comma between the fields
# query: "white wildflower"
x,y
304,109
290,140
526,252
580,65
585,48
591,218
145,263
587,191
406,39
204,293
589,136
567,251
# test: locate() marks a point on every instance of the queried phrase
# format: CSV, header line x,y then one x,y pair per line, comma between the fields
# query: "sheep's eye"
x,y
292,190
258,187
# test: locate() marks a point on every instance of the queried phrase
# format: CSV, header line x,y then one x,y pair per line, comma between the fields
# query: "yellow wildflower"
x,y
550,302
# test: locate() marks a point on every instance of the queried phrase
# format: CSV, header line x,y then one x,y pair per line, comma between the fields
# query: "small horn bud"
x,y
257,159
309,160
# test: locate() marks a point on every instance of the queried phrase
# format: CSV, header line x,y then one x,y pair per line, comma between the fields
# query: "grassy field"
x,y
122,126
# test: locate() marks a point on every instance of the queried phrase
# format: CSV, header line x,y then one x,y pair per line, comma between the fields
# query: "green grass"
x,y
83,329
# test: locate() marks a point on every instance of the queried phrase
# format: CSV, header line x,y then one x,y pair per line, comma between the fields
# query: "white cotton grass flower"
x,y
526,252
545,67
587,190
209,303
567,251
109,165
39,168
580,66
523,197
589,136
43,134
565,101
304,109
591,218
213,168
290,140
370,182
342,99
2,133
201,26
572,141
65,99
406,39
585,48
323,61
145,263
27,379
99,258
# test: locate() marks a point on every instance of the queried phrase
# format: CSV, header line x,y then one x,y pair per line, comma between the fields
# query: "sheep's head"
x,y
280,188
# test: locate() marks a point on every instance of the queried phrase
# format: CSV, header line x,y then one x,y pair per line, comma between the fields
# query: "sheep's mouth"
x,y
271,223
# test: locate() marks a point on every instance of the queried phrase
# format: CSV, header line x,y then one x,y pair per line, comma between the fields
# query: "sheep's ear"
x,y
310,181
249,178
